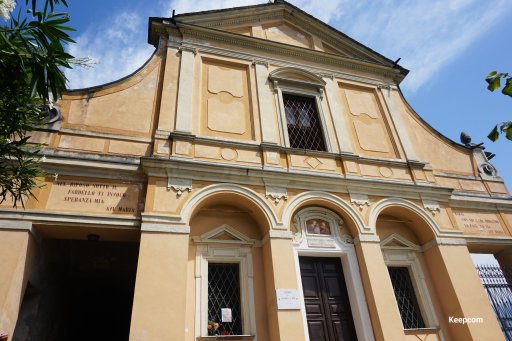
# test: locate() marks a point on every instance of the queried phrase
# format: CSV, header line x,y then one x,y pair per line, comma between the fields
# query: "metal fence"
x,y
499,291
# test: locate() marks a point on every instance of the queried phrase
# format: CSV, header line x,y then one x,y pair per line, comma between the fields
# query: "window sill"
x,y
226,337
432,330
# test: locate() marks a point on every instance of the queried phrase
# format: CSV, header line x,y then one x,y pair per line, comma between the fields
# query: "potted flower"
x,y
213,328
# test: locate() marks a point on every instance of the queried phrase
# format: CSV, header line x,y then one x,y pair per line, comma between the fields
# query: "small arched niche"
x,y
233,209
404,222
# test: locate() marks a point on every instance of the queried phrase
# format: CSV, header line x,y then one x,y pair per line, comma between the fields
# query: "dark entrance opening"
x,y
328,313
79,290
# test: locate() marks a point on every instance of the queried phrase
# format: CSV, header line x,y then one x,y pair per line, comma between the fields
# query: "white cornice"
x,y
306,180
91,165
193,35
64,218
276,12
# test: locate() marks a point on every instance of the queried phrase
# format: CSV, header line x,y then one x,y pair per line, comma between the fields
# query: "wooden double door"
x,y
328,313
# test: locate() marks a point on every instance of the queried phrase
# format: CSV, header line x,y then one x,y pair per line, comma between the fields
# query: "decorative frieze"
x,y
359,200
432,206
276,194
179,185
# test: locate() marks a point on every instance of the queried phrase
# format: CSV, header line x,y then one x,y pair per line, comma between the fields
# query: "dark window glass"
x,y
406,298
224,292
304,129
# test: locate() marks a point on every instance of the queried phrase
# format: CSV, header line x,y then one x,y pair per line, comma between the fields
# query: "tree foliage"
x,y
32,58
494,82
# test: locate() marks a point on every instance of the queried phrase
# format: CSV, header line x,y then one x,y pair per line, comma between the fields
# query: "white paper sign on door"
x,y
226,314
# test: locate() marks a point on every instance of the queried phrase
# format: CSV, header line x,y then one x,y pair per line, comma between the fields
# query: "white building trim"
x,y
341,247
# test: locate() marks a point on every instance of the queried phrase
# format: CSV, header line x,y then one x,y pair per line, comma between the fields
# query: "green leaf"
x,y
507,90
494,134
493,79
506,127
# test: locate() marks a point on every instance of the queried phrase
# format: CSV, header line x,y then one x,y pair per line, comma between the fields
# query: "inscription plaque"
x,y
474,223
94,197
288,299
321,242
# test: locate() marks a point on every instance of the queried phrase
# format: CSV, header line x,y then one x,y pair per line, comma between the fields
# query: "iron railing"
x,y
499,291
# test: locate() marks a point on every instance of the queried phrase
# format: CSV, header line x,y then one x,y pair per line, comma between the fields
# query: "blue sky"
x,y
449,46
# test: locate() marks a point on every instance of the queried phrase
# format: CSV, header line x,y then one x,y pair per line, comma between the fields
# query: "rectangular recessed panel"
x,y
317,331
310,287
313,308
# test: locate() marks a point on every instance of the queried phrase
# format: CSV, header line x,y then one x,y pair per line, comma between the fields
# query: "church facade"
x,y
261,177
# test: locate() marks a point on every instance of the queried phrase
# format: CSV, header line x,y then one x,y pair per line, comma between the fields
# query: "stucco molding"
x,y
306,77
276,194
366,238
188,49
397,242
193,33
432,206
179,185
167,228
65,218
211,236
360,200
227,188
15,225
444,241
302,198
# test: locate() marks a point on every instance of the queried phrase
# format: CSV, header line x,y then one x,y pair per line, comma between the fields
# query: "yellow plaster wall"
x,y
17,252
443,156
380,297
387,225
460,293
287,33
126,107
159,303
277,259
214,216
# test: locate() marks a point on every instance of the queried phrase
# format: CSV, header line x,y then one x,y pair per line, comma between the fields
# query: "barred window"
x,y
406,298
303,123
224,292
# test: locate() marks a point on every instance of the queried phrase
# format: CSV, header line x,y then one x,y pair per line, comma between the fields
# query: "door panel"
x,y
328,313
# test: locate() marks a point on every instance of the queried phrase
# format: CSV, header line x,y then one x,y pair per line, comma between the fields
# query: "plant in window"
x,y
213,328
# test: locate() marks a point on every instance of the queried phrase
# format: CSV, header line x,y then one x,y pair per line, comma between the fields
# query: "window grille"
x,y
224,292
406,298
304,126
499,291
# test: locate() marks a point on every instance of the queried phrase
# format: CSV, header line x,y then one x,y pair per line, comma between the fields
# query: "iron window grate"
x,y
224,292
406,298
304,128
497,282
